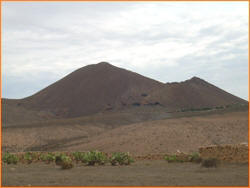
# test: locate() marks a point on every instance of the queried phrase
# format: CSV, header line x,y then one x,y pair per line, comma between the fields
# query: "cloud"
x,y
167,41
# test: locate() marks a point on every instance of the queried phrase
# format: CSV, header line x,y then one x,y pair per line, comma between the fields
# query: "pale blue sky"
x,y
166,41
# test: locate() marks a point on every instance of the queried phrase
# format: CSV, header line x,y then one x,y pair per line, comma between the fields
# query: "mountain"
x,y
91,89
193,93
103,87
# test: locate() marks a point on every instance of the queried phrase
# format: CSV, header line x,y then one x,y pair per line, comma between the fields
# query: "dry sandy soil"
x,y
186,134
141,173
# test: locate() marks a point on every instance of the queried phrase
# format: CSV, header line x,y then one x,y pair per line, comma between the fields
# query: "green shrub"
x,y
78,156
121,158
206,108
210,162
48,157
65,162
219,107
195,157
171,158
10,158
94,157
28,157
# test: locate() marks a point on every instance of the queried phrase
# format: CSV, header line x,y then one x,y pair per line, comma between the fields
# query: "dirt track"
x,y
141,173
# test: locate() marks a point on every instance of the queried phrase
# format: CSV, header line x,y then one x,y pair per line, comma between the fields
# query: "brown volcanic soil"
x,y
13,113
170,135
102,87
92,89
193,93
186,134
111,118
141,173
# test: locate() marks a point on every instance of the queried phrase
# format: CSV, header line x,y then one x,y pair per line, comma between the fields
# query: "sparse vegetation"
x,y
29,157
196,109
182,157
210,108
172,158
94,157
89,158
219,107
210,162
49,157
78,156
65,162
10,158
195,157
121,158
62,159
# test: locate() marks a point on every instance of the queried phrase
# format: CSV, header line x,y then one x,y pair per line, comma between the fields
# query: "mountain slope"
x,y
193,93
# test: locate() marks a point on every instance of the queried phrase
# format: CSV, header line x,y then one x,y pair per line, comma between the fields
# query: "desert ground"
x,y
185,132
141,173
114,132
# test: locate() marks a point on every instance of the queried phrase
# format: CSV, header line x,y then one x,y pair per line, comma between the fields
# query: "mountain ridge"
x,y
102,86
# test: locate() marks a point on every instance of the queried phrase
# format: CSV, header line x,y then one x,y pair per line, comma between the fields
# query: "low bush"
x,y
210,162
10,158
29,157
172,158
48,157
121,158
219,107
65,162
94,157
78,156
195,157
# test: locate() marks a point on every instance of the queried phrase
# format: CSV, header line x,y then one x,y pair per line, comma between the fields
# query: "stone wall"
x,y
228,153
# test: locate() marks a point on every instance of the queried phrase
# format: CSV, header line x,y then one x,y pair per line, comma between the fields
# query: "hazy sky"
x,y
166,41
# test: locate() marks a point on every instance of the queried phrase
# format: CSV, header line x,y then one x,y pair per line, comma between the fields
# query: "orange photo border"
x,y
115,1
